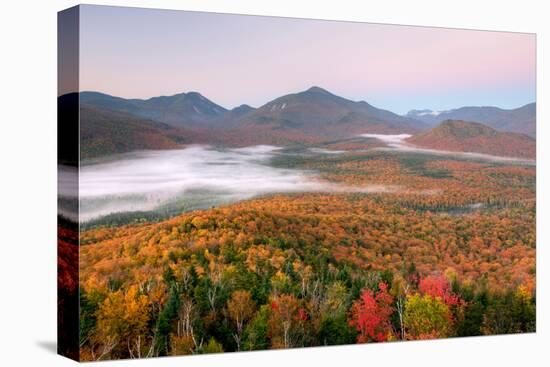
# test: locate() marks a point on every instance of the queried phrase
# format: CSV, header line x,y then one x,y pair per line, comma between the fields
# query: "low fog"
x,y
398,143
198,177
325,151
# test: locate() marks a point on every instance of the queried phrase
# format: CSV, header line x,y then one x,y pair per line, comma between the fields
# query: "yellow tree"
x,y
426,317
122,322
241,308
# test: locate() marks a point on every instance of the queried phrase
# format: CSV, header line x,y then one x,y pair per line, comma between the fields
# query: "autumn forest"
x,y
448,251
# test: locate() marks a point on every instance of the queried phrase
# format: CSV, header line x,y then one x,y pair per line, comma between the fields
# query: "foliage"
x,y
448,250
371,315
426,317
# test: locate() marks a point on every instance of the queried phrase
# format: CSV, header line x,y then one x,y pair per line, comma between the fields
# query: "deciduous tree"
x,y
241,308
370,315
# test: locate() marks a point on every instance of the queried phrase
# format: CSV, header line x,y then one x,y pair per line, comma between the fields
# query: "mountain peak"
x,y
244,107
193,94
316,89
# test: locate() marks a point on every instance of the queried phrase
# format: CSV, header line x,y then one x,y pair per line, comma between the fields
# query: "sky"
x,y
238,59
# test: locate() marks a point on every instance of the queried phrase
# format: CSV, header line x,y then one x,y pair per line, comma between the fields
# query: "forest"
x,y
450,252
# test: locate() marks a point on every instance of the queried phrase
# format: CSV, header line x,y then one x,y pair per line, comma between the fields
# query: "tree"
x,y
426,317
336,299
370,315
165,320
241,308
512,312
286,322
122,321
88,309
255,334
212,347
400,289
336,330
183,340
438,286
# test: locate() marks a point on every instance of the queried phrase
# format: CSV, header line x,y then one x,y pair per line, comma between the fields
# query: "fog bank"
x,y
196,177
399,143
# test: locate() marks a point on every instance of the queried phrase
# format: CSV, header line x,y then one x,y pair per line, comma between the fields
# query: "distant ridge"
x,y
465,136
519,120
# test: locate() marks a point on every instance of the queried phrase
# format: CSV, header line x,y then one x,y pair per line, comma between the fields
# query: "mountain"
x,y
232,117
105,132
519,120
180,110
319,112
463,136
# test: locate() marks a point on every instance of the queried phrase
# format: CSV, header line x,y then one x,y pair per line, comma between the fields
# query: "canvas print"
x,y
230,183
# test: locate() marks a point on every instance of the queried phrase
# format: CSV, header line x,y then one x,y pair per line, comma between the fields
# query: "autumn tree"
x,y
426,317
122,323
286,322
241,308
370,315
438,286
183,340
399,290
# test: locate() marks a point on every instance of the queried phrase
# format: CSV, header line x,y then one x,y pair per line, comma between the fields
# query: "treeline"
x,y
302,305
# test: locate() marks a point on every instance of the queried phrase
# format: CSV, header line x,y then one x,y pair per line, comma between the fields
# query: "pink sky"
x,y
234,59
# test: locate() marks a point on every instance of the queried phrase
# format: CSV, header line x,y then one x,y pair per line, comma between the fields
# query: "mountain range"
x,y
314,110
519,120
111,124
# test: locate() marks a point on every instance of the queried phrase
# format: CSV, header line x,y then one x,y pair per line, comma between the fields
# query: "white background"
x,y
28,181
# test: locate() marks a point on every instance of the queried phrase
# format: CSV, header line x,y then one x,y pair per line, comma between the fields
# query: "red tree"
x,y
371,315
438,286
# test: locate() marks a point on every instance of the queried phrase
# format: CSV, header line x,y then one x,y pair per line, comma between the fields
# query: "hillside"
x,y
104,132
463,136
519,120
